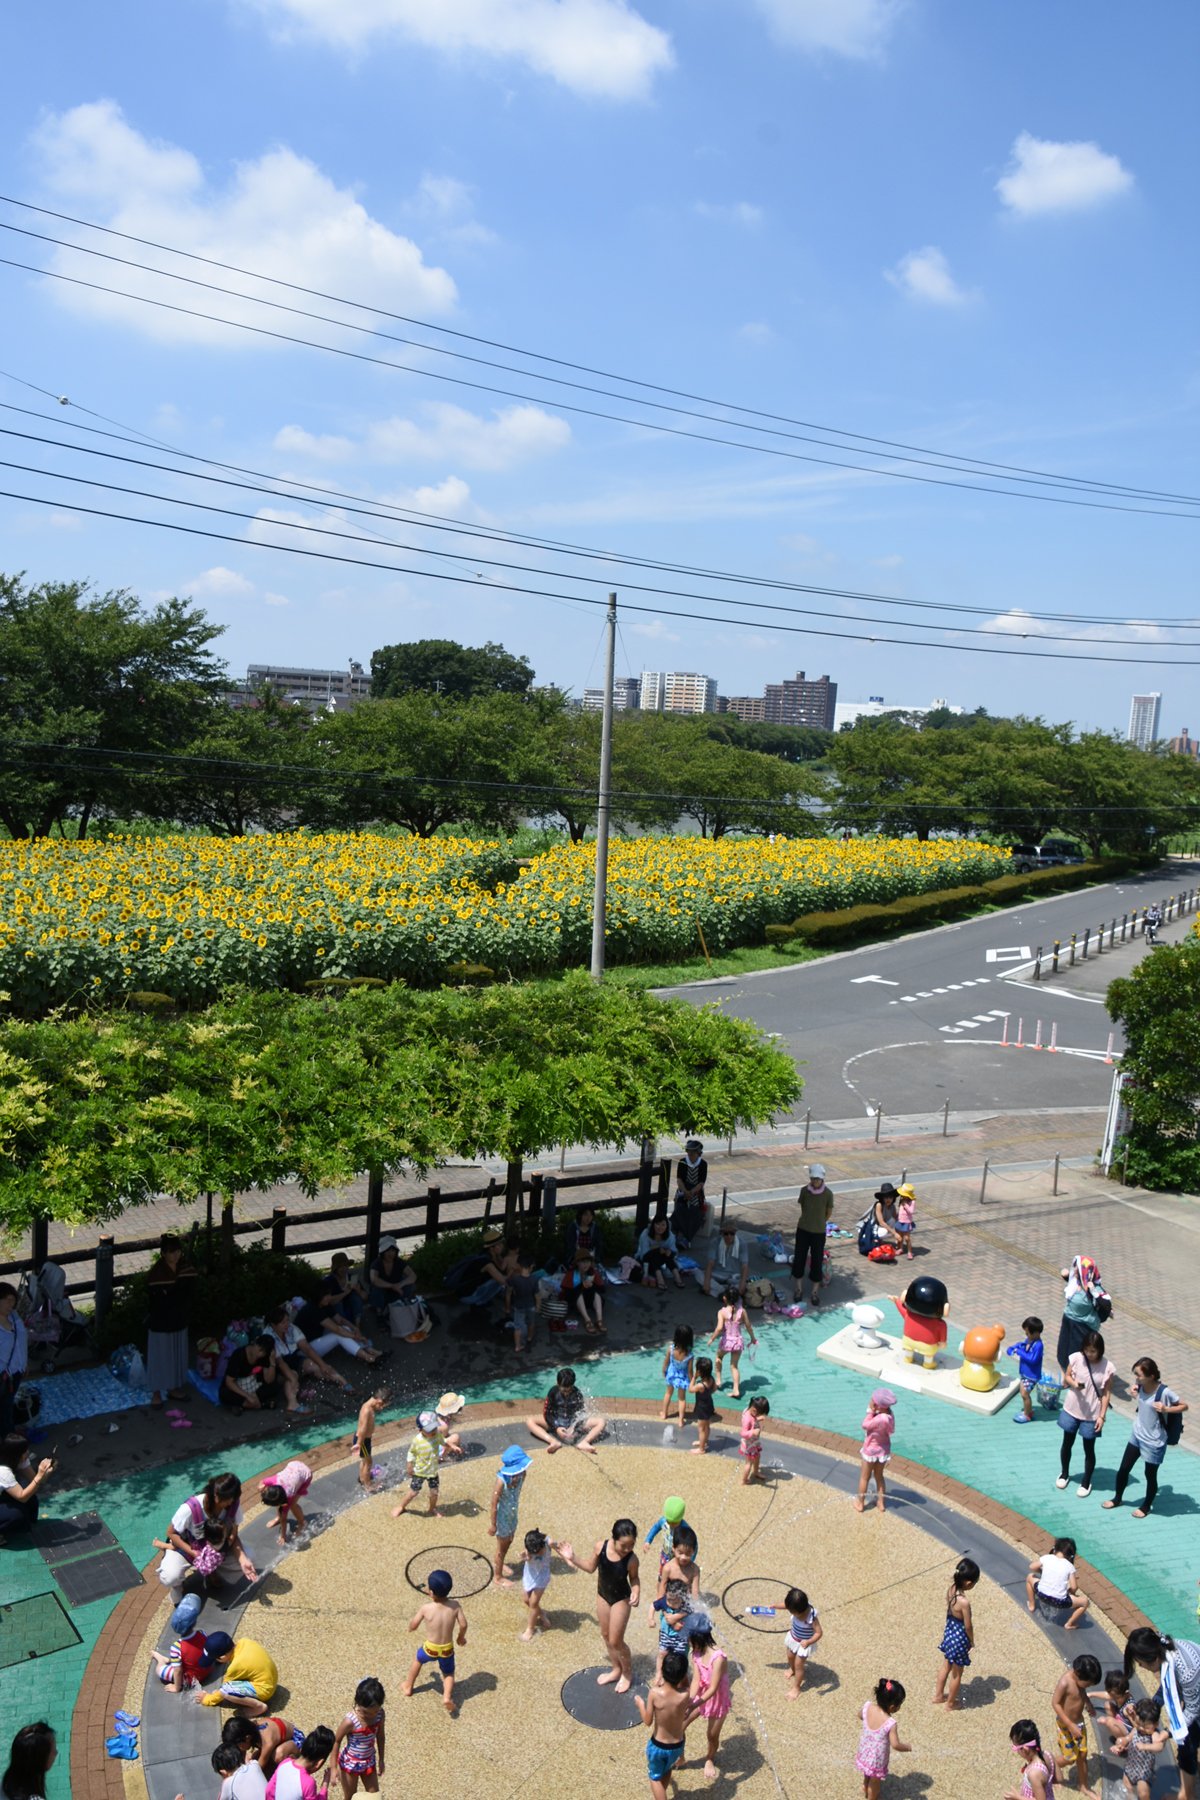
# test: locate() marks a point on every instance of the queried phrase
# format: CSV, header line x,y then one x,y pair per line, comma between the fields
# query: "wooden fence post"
x,y
512,1195
549,1204
645,1187
433,1207
535,1199
104,1276
226,1254
39,1243
487,1201
279,1230
664,1187
374,1213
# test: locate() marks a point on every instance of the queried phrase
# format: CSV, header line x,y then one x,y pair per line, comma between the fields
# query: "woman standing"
x,y
691,1180
1156,1423
169,1297
1176,1663
1088,1380
14,1354
30,1760
1086,1306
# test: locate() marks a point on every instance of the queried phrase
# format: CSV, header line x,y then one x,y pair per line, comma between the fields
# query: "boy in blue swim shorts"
x,y
439,1619
666,1711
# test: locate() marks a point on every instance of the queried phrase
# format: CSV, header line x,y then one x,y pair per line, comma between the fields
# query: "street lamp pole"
x,y
604,798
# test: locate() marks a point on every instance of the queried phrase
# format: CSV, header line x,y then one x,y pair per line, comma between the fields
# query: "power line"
x,y
363,535
858,637
433,522
361,356
1009,469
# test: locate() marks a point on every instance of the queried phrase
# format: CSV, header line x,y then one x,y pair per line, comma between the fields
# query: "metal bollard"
x,y
1124,923
878,1121
946,1115
1054,963
983,1182
807,1124
1057,1160
1071,964
1037,964
1087,932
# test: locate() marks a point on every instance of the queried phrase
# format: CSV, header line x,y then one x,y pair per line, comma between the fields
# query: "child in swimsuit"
x,y
666,1711
535,1579
958,1636
506,1499
1141,1748
678,1586
364,1433
296,1776
880,1736
750,1447
711,1699
284,1492
1037,1768
440,1618
704,1407
618,1588
359,1739
803,1632
677,1370
730,1334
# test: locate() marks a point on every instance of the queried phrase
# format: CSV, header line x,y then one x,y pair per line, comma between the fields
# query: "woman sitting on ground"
x,y
583,1288
582,1237
390,1278
501,1263
324,1334
657,1254
297,1354
20,1484
256,1377
343,1294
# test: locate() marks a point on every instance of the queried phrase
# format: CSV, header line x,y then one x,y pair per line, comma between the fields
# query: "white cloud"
x,y
1017,622
278,214
324,448
448,433
449,499
601,48
736,212
755,332
1045,177
654,628
276,599
854,28
925,275
218,581
894,561
446,206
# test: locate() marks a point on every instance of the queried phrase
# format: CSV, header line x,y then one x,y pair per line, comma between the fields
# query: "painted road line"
x,y
968,1024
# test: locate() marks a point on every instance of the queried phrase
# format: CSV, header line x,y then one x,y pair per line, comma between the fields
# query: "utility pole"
x,y
604,798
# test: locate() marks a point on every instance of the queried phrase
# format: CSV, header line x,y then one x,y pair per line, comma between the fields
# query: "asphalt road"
x,y
913,1024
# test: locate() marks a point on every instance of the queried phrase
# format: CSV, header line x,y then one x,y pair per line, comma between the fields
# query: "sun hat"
x,y
440,1582
886,1192
514,1461
387,1243
693,1144
883,1397
427,1421
817,1171
450,1403
183,1619
907,1191
492,1235
697,1624
673,1509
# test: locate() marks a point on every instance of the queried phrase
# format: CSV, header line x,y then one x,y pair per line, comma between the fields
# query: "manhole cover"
x,y
601,1707
96,1577
61,1540
469,1571
757,1602
34,1627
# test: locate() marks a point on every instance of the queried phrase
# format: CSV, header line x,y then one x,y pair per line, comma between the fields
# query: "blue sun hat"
x,y
515,1461
697,1624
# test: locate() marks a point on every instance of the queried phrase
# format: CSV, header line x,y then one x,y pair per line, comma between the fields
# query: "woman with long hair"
x,y
1176,1663
30,1759
169,1288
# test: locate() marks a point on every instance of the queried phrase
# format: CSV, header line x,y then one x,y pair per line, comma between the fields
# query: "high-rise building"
x,y
1184,745
626,695
848,711
677,691
795,702
1143,720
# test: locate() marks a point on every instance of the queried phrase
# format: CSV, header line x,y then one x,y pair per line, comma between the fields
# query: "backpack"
x,y
1172,1422
866,1233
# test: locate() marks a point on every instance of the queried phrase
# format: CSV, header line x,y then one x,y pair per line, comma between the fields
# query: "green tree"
x,y
92,686
241,768
440,666
420,761
892,778
1159,1009
726,789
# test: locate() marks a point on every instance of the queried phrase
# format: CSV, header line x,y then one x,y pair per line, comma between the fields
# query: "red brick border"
x,y
106,1677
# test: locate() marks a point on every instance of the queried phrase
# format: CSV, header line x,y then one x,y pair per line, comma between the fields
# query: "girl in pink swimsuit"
x,y
1037,1769
730,1334
710,1685
880,1736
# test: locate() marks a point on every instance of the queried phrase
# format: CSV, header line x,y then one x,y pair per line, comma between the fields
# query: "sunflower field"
x,y
193,917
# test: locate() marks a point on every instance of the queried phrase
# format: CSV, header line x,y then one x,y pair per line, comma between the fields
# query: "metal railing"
x,y
1130,925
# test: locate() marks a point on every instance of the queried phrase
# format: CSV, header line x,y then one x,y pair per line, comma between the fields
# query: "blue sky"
x,y
965,226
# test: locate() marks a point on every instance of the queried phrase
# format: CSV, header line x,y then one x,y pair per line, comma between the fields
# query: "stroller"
x,y
50,1318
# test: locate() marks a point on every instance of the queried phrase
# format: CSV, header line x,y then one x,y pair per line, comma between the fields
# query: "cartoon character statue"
x,y
981,1347
924,1309
866,1318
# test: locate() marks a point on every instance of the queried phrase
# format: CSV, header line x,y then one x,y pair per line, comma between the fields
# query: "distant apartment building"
x,y
795,702
626,696
847,711
318,690
1185,745
677,691
1143,720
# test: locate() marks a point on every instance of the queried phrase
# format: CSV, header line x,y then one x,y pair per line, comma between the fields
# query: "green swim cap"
x,y
673,1509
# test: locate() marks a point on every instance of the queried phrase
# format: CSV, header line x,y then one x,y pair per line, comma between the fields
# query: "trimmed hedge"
x,y
821,929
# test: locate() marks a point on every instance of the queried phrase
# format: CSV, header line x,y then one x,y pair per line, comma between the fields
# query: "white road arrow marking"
x,y
857,980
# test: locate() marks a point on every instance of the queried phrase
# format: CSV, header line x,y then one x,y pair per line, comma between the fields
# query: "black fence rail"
x,y
528,1204
1065,953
